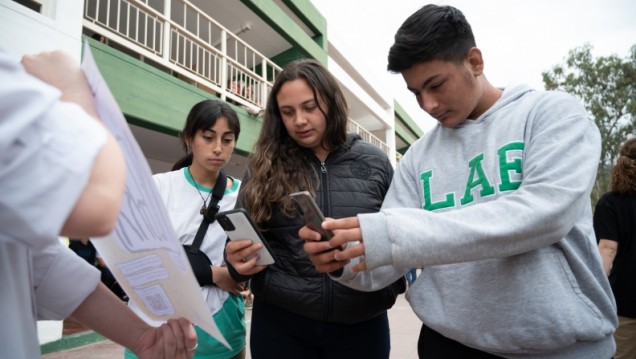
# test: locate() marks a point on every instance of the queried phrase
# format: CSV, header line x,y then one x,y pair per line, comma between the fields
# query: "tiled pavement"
x,y
405,329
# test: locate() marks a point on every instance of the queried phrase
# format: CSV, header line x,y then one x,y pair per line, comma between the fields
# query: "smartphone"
x,y
238,225
308,209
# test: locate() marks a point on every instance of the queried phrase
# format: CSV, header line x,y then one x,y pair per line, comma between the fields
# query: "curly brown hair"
x,y
623,179
277,165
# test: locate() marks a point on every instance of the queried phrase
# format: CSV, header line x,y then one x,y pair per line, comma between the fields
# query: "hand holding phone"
x,y
313,217
238,225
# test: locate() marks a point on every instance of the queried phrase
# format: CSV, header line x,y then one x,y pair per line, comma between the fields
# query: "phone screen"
x,y
311,214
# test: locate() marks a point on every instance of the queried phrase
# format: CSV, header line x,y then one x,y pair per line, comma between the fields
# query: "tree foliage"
x,y
607,88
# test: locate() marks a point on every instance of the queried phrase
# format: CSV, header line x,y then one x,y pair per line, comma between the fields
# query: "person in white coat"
x,y
61,173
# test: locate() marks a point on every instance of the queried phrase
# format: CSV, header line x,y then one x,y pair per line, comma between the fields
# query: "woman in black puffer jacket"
x,y
303,145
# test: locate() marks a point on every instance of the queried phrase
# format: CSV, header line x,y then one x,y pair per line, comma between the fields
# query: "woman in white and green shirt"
x,y
209,137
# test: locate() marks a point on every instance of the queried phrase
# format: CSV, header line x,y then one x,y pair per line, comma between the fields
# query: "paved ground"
x,y
405,329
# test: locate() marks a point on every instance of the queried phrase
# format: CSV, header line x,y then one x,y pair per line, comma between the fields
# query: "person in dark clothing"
x,y
615,228
303,146
85,249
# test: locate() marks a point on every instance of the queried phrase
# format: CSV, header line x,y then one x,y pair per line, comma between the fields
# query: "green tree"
x,y
607,88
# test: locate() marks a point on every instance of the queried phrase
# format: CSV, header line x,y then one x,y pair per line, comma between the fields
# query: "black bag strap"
x,y
213,209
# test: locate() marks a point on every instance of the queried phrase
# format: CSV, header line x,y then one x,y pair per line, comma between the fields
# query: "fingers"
x,y
182,338
328,256
342,223
248,266
167,343
351,252
241,255
345,230
55,68
307,234
224,280
322,255
62,71
313,248
190,336
237,290
238,250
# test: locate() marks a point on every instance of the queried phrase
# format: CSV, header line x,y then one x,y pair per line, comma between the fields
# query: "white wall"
x,y
23,31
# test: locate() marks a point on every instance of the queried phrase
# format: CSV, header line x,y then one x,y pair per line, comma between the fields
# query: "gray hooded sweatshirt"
x,y
497,212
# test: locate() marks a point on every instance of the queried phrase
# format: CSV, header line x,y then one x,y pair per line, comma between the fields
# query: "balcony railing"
x,y
179,36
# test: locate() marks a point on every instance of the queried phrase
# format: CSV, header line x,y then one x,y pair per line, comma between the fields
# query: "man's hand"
x,y
329,256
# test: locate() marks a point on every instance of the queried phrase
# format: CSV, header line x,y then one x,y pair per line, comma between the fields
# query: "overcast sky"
x,y
519,39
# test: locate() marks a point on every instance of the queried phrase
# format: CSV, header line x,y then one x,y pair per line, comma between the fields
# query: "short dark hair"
x,y
431,33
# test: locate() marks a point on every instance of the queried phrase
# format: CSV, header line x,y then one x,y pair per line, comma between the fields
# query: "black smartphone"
x,y
308,209
238,225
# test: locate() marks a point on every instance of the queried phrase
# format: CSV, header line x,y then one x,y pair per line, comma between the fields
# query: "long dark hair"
x,y
278,165
202,116
623,179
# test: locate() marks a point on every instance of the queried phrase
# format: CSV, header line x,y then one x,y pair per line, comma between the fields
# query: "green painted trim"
x,y
406,120
154,99
310,16
404,135
278,20
72,341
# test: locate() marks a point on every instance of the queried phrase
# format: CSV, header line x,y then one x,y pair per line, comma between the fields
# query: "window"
x,y
35,5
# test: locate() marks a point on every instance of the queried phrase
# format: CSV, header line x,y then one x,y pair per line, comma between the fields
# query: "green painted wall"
x,y
304,44
153,99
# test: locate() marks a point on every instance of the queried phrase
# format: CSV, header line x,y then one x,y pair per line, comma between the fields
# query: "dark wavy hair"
x,y
278,166
623,179
202,116
431,33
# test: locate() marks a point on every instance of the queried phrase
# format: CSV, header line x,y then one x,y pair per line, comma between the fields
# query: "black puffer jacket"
x,y
353,179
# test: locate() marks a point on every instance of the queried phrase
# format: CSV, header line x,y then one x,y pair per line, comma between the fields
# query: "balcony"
x,y
185,41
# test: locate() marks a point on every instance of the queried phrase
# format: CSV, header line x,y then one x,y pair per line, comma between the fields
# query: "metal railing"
x,y
179,36
352,126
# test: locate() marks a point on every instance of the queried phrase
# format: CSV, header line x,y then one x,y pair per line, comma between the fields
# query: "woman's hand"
x,y
237,251
223,280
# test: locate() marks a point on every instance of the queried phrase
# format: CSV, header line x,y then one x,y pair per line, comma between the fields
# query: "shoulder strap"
x,y
213,209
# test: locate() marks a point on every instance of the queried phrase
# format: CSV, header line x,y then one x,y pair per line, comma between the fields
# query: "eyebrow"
x,y
230,132
428,81
302,103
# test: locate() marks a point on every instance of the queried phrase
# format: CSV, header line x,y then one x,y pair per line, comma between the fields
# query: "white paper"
x,y
143,251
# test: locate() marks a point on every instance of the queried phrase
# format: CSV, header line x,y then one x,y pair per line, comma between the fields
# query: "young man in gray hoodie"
x,y
493,204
